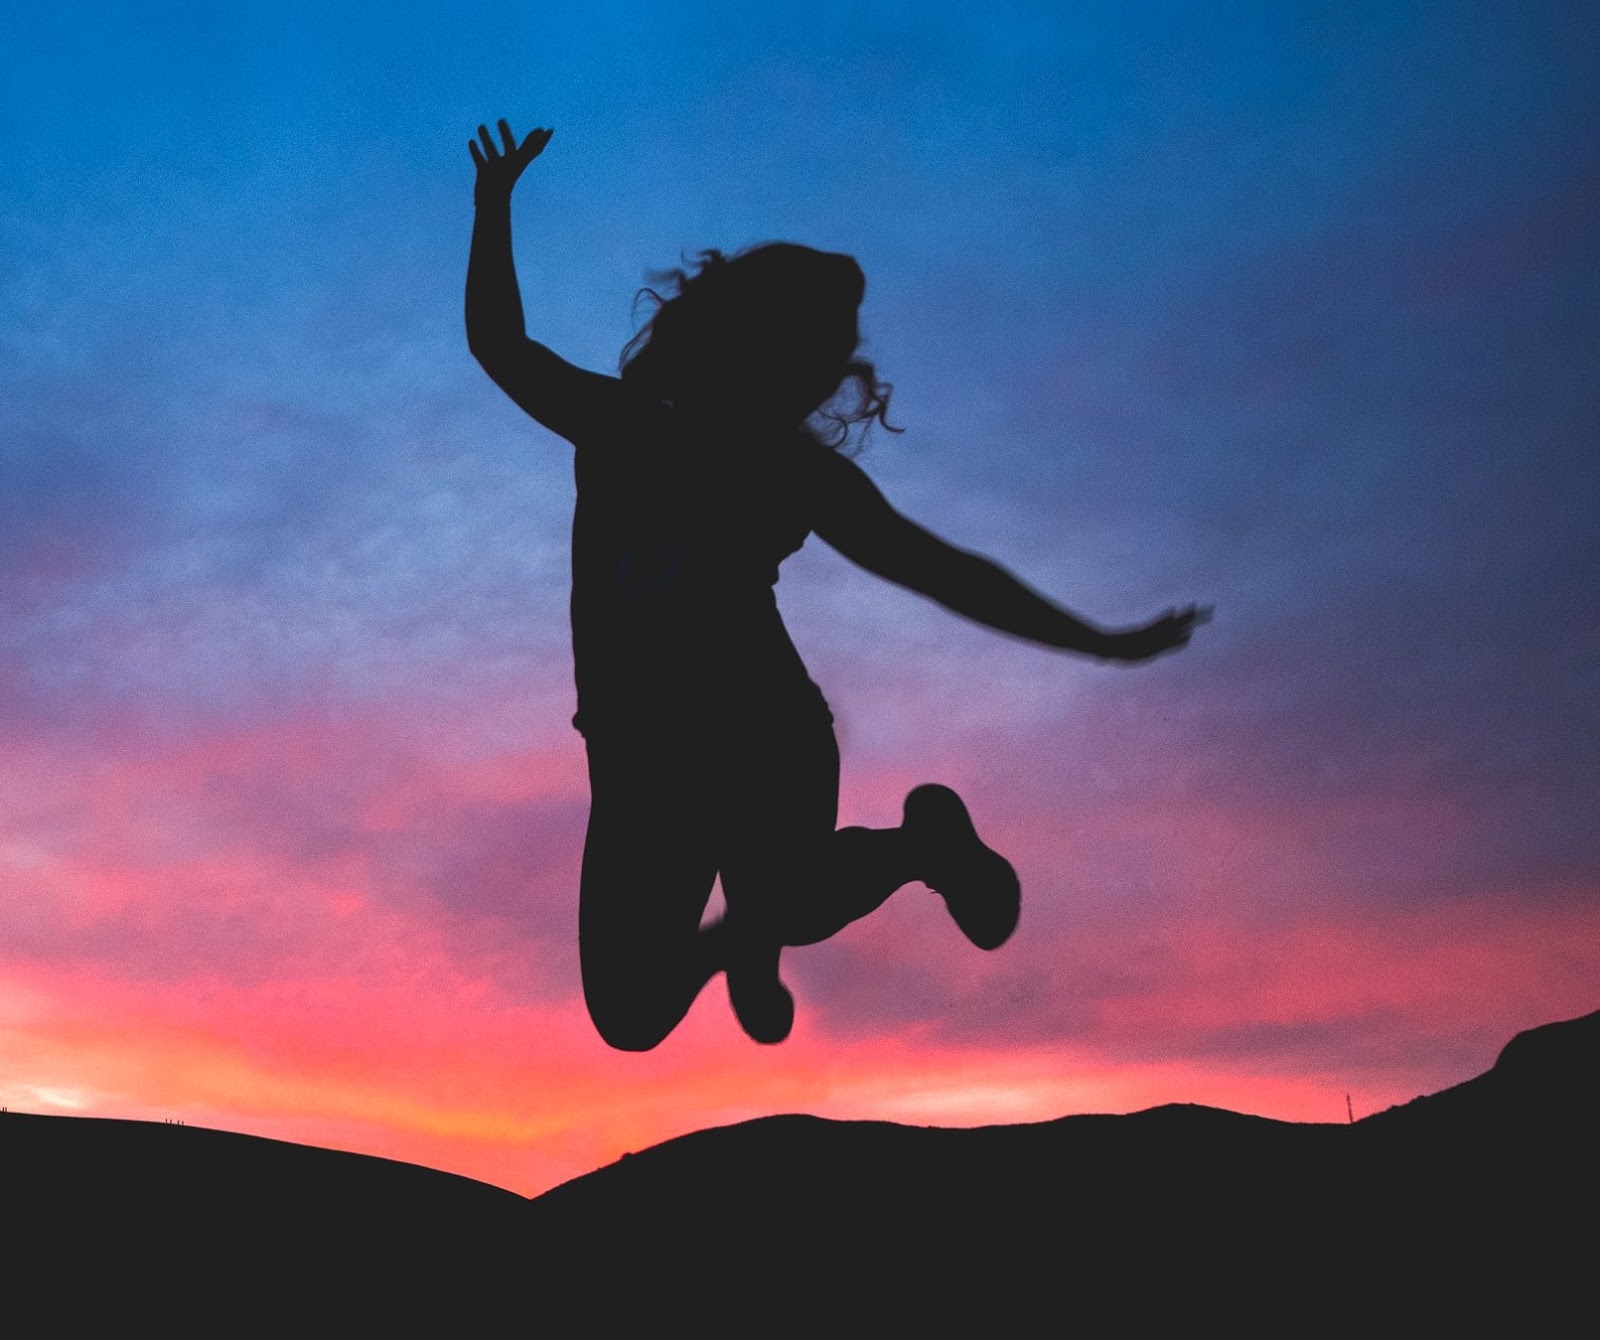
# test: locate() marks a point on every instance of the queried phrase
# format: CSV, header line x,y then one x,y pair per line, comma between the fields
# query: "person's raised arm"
x,y
858,521
564,398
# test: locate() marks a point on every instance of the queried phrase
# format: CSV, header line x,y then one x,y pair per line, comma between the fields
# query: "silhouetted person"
x,y
711,752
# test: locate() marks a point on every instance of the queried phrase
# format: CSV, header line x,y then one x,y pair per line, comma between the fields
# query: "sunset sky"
x,y
1291,309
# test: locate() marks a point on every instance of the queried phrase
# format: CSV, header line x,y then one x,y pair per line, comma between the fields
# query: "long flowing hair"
x,y
775,287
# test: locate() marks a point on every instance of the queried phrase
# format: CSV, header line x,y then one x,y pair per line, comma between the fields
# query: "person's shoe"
x,y
765,1010
761,1002
978,885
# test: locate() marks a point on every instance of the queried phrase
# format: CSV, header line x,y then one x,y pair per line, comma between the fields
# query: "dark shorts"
x,y
728,791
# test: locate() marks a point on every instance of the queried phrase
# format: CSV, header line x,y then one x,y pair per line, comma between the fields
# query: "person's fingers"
x,y
489,151
477,153
506,137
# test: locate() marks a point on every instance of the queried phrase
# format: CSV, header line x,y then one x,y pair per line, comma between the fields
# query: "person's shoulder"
x,y
817,462
826,482
830,474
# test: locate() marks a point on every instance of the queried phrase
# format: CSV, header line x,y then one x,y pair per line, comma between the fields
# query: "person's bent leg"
x,y
648,869
808,882
852,872
789,876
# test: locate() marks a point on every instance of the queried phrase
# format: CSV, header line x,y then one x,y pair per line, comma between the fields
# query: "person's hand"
x,y
1167,633
499,168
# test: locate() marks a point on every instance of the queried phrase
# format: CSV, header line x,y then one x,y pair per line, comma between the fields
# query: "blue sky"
x,y
1287,308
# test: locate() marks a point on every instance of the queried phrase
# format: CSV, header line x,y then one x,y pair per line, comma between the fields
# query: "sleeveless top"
x,y
676,542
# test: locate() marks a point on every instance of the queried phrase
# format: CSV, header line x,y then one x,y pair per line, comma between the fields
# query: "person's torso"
x,y
676,544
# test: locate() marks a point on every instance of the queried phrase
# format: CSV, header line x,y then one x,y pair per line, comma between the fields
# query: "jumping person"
x,y
699,469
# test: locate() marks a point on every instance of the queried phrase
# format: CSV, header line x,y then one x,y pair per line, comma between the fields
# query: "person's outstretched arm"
x,y
858,521
565,399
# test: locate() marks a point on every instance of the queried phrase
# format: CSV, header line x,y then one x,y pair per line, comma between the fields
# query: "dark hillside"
x,y
1477,1200
1472,1207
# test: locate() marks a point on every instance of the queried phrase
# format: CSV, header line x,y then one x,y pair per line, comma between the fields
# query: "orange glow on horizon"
x,y
186,950
524,1096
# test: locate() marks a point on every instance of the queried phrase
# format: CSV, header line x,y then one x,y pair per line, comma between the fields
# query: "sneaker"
x,y
978,885
765,1010
761,1002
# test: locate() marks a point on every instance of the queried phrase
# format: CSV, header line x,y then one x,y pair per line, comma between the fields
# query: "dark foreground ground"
x,y
1474,1208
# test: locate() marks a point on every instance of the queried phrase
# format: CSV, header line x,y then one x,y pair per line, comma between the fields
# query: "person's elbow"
x,y
495,350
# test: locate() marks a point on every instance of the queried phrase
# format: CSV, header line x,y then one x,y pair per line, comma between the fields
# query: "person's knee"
x,y
632,1011
628,1030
